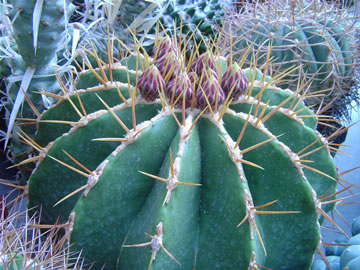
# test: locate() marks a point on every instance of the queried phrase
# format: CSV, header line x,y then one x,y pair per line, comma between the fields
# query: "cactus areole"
x,y
194,164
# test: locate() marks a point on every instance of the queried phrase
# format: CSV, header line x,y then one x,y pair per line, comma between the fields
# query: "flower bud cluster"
x,y
202,86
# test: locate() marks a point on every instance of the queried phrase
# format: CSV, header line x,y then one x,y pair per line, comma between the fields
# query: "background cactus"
x,y
24,245
193,177
344,253
316,38
202,19
34,31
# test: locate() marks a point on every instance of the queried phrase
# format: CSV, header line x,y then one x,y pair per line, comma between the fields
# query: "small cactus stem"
x,y
172,182
234,152
94,176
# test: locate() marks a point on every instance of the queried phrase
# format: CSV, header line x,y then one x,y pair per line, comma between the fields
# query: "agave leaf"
x,y
36,21
142,23
19,100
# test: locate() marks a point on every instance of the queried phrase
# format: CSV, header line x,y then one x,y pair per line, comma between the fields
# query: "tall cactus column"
x,y
38,29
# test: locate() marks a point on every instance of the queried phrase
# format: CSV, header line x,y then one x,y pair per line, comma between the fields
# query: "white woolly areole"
x,y
71,221
252,263
42,154
324,141
285,111
291,114
234,152
85,120
184,138
94,176
157,240
115,66
133,134
317,203
109,85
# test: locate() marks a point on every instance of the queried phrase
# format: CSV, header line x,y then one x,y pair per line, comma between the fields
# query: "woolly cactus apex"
x,y
210,93
179,89
234,81
151,83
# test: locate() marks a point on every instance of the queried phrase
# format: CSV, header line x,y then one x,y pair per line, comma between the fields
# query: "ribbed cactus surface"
x,y
224,174
199,17
314,39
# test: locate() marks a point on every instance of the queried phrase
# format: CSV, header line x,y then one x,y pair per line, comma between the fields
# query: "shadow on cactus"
x,y
182,162
317,38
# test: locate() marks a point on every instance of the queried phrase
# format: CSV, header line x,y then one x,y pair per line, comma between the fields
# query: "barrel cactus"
x,y
202,19
315,38
175,162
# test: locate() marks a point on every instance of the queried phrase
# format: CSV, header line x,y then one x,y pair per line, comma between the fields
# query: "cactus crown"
x,y
188,150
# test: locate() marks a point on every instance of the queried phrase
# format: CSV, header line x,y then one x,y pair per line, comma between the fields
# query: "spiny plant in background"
x,y
24,246
34,32
315,37
201,18
178,161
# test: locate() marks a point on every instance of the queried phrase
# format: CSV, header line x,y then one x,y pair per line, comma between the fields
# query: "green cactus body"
x,y
198,17
318,43
171,186
50,31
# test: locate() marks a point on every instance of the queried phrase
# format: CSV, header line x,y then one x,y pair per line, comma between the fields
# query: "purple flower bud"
x,y
235,78
203,62
193,78
169,63
179,86
212,90
150,82
165,46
